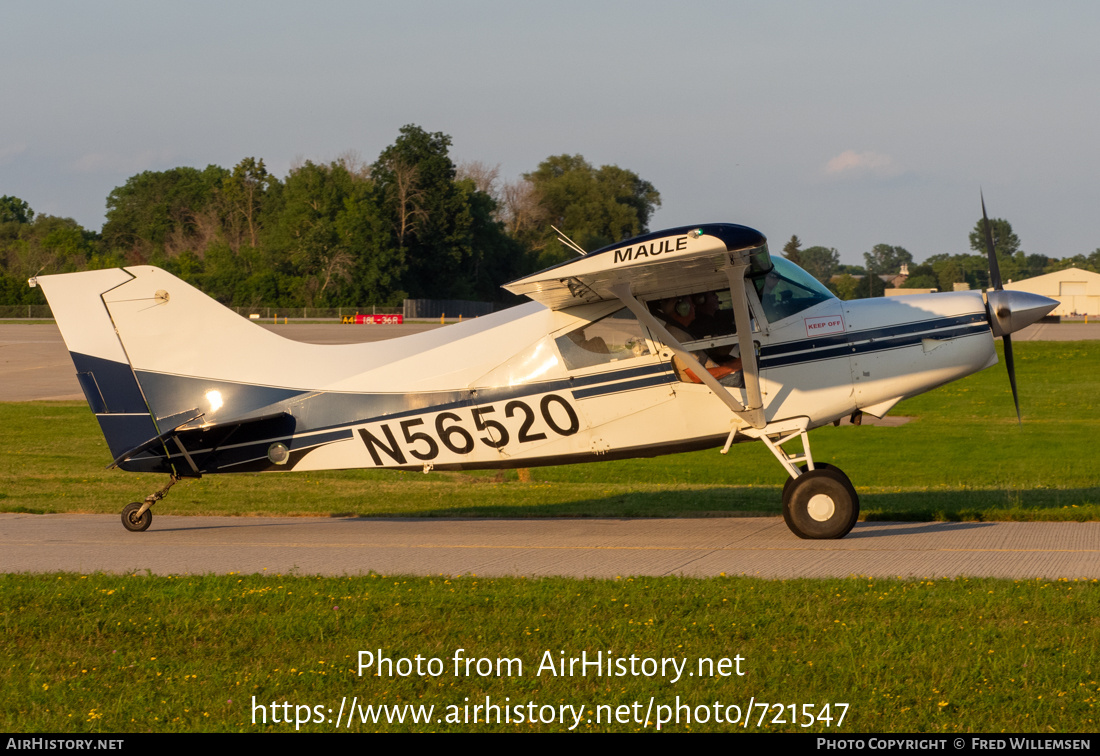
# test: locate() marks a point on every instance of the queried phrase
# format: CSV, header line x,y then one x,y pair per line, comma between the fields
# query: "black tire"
x,y
818,466
131,523
821,504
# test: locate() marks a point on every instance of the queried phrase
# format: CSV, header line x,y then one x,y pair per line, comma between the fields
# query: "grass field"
x,y
103,653
961,457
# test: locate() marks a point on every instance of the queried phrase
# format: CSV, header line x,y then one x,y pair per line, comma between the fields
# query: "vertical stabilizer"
x,y
102,367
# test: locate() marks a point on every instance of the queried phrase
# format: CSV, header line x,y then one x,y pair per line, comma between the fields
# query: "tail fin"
x,y
164,366
156,357
101,364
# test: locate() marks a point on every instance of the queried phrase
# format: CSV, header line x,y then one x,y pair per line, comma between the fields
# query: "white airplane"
x,y
688,338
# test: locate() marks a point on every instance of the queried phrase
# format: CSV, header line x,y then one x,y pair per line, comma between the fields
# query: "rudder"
x,y
102,368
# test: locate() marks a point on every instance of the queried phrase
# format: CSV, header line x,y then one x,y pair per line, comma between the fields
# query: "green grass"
x,y
103,653
962,457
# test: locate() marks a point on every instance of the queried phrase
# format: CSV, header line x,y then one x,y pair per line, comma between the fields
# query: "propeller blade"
x,y
995,283
1012,375
994,267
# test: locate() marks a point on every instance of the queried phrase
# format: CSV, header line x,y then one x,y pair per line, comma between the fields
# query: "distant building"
x,y
1077,291
899,279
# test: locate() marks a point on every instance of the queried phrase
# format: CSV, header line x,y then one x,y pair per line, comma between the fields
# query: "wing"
x,y
690,258
672,262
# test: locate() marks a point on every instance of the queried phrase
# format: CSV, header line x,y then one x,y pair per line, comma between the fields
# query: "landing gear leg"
x,y
137,516
819,501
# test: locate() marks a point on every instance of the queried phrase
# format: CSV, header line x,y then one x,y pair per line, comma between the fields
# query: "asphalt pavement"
x,y
580,547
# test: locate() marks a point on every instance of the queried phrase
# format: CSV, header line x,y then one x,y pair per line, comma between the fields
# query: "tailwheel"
x,y
134,520
137,516
820,503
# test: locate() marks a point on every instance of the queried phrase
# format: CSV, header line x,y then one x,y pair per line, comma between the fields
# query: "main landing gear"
x,y
137,516
819,502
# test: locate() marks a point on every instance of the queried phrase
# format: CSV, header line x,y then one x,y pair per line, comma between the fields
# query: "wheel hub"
x,y
821,507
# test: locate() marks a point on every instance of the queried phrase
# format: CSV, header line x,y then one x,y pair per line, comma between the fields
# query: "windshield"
x,y
788,289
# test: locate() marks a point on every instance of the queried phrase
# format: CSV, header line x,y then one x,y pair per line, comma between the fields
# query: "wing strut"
x,y
749,366
754,416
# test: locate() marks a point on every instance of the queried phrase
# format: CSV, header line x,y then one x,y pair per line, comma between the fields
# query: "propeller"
x,y
995,283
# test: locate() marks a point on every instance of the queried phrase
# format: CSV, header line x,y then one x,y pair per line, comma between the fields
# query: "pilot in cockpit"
x,y
680,316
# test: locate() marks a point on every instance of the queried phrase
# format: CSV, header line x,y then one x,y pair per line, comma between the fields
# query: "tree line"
x,y
940,271
344,233
410,224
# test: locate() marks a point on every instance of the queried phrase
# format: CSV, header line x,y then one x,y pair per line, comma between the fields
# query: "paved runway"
x,y
603,548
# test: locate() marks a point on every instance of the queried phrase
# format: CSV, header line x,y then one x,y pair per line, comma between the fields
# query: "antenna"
x,y
33,280
567,241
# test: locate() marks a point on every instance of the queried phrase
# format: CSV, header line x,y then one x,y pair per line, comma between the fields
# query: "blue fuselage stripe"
x,y
876,340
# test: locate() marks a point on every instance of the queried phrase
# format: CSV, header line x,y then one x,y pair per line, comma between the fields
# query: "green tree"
x,y
428,214
792,250
1011,260
243,194
921,276
15,210
323,232
498,257
47,245
846,286
949,272
594,207
820,262
156,207
886,259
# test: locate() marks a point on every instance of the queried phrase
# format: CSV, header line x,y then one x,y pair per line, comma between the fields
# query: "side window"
x,y
616,337
713,315
704,315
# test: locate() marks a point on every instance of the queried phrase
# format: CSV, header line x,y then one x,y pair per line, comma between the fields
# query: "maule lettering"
x,y
653,249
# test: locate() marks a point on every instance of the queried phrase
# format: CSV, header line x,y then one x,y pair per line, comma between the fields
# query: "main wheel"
x,y
821,503
132,522
820,466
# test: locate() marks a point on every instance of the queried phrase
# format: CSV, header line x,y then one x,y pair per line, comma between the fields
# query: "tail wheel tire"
x,y
821,504
132,522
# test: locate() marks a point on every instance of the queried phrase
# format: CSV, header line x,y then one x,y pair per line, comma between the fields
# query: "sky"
x,y
847,123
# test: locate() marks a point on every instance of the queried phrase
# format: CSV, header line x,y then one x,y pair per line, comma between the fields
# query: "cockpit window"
x,y
616,337
788,289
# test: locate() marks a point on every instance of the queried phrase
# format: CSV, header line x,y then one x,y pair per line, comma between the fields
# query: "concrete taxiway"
x,y
601,548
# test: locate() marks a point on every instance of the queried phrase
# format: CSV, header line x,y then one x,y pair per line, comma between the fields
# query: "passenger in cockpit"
x,y
680,314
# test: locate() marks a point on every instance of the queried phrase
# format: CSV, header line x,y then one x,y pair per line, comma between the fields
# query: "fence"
x,y
452,308
414,308
314,313
25,311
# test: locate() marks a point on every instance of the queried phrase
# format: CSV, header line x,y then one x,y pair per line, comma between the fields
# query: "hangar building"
x,y
1077,291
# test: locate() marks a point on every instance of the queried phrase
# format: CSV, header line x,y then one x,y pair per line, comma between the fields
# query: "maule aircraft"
x,y
684,339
